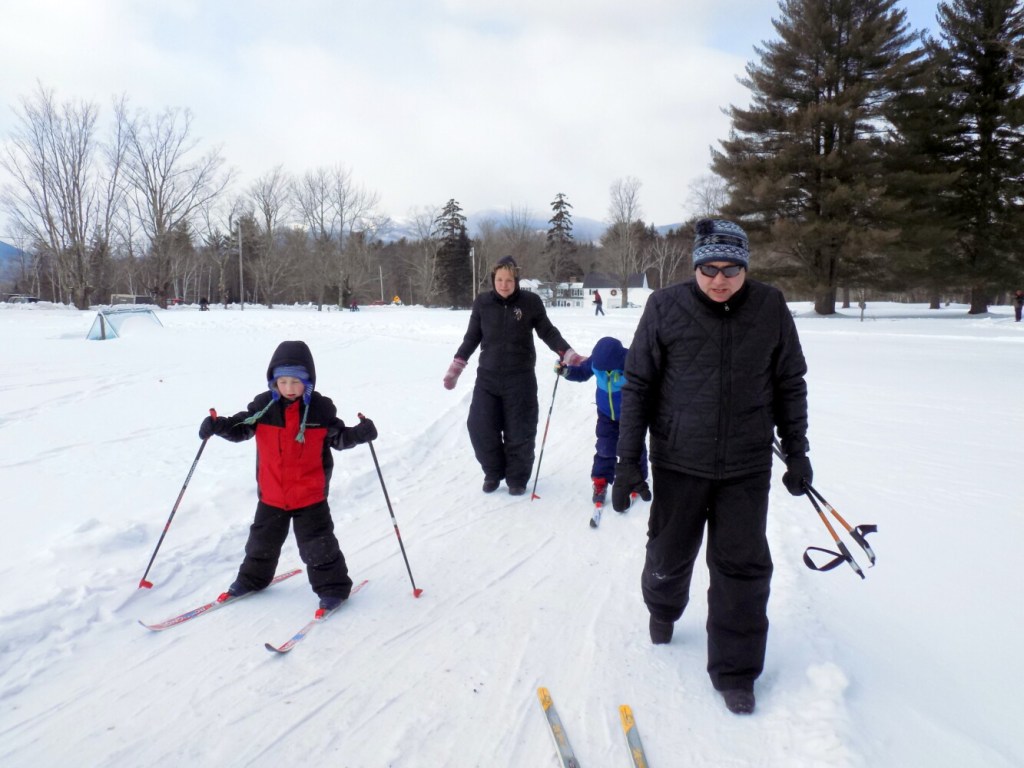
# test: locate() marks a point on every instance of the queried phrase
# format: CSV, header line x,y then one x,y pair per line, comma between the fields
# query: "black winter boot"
x,y
661,631
739,701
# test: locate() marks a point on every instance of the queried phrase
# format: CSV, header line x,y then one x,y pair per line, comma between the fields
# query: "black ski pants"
x,y
739,563
503,424
318,548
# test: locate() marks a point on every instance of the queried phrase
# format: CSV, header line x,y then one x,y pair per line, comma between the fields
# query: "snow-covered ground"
x,y
916,425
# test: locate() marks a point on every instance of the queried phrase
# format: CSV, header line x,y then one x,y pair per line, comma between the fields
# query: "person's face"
x,y
290,387
504,282
720,288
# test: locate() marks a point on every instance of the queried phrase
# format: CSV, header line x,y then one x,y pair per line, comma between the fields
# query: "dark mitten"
x,y
798,474
627,480
364,431
212,426
645,491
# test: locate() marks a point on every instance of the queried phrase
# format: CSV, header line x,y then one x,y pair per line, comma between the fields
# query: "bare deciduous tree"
x,y
65,189
665,255
423,262
623,236
271,194
708,194
166,184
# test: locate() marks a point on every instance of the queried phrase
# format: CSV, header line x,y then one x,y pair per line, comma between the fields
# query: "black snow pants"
x,y
503,424
318,548
738,558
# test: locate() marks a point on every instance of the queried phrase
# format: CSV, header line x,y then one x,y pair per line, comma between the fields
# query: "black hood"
x,y
292,353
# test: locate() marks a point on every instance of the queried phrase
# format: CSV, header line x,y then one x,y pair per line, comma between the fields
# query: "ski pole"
x,y
843,554
415,592
148,584
857,533
540,458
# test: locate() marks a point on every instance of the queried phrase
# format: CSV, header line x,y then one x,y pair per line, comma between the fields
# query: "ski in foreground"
x,y
220,602
318,618
636,748
595,519
562,746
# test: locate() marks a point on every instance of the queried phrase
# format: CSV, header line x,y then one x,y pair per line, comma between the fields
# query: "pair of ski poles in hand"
x,y
144,584
857,533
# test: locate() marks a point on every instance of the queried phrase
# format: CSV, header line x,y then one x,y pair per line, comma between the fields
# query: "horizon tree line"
x,y
871,159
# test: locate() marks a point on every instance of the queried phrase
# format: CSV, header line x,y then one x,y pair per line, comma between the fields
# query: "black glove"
x,y
212,426
627,480
798,474
364,431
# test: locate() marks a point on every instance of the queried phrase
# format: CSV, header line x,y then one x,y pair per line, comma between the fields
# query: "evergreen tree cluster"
x,y
871,157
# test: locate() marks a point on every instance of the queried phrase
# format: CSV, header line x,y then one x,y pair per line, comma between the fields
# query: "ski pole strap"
x,y
837,559
842,556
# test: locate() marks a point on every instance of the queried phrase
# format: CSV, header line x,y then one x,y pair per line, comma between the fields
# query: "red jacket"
x,y
289,474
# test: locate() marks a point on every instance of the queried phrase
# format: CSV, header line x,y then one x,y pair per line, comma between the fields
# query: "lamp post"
x,y
241,273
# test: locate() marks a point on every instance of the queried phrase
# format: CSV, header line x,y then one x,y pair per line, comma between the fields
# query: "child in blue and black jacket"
x,y
606,364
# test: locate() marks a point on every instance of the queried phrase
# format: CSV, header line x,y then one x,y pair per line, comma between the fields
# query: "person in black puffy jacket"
x,y
715,368
503,414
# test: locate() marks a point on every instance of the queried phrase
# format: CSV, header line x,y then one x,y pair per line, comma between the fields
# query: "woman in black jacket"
x,y
714,369
503,415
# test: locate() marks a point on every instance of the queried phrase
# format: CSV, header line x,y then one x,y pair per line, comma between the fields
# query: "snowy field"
x,y
917,425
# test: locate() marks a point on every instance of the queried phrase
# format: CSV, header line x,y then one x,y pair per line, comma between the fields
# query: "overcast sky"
x,y
495,103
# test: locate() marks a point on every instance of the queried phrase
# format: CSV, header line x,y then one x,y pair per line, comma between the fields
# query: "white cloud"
x,y
493,103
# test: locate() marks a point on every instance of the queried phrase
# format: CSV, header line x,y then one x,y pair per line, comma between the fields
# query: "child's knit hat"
x,y
291,358
294,371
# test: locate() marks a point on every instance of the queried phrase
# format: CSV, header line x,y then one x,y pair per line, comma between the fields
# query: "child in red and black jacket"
x,y
295,429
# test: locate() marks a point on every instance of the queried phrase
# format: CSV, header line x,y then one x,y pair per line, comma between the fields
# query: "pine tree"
x,y
979,63
560,246
455,269
805,161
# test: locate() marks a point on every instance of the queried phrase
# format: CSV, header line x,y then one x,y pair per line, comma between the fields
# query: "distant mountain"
x,y
583,229
9,256
8,251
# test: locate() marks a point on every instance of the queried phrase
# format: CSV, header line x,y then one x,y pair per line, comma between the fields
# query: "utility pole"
x,y
241,273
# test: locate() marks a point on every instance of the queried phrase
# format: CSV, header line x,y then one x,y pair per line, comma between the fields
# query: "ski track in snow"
x,y
517,593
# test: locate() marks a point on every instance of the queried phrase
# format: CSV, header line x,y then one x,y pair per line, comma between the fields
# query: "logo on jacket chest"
x,y
517,313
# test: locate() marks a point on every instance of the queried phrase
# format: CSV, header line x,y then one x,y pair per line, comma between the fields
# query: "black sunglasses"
x,y
710,270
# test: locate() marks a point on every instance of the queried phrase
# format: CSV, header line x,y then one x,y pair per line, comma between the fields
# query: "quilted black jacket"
x,y
711,381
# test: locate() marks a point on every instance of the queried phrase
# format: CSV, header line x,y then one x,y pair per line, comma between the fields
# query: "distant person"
x,y
204,305
503,414
295,429
1018,304
598,303
605,365
714,368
